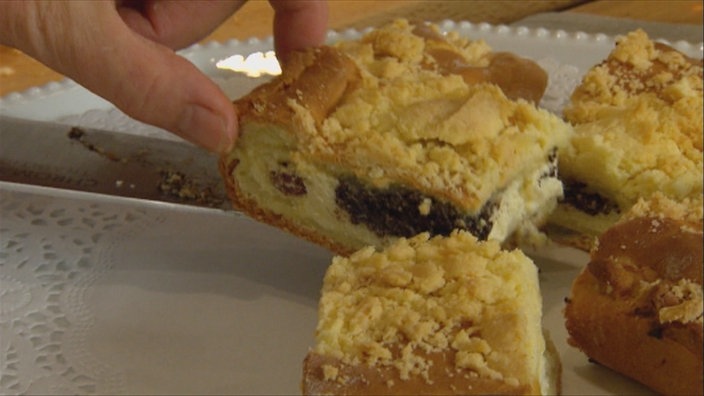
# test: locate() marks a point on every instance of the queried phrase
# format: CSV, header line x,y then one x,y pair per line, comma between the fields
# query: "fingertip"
x,y
213,130
170,92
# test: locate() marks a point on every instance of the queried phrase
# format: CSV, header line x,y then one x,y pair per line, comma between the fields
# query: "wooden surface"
x,y
18,72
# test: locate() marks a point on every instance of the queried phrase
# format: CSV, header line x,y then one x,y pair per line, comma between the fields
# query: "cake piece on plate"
x,y
441,315
402,131
637,306
638,130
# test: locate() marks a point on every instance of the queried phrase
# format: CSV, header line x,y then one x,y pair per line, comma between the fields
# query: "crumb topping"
x,y
688,210
638,123
409,120
330,372
680,302
433,295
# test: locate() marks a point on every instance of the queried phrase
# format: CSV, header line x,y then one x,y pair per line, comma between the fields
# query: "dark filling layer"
x,y
578,196
395,211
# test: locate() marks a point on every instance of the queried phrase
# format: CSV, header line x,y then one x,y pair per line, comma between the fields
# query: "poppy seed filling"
x,y
578,196
395,211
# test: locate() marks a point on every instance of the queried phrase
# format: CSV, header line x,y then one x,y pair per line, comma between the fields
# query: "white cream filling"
x,y
525,202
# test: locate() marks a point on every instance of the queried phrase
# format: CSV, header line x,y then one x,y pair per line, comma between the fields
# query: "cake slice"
x,y
403,131
441,315
637,306
638,130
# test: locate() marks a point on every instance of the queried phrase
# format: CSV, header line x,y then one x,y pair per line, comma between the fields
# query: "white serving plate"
x,y
103,295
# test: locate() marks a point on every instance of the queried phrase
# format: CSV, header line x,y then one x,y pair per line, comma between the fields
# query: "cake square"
x,y
405,130
637,306
638,130
441,315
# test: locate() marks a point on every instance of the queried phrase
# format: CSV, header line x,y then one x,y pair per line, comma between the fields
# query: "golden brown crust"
x,y
364,380
318,77
329,376
609,332
637,306
518,78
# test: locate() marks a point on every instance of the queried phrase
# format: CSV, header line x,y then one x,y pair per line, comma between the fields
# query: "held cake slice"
x,y
441,315
637,307
638,130
402,131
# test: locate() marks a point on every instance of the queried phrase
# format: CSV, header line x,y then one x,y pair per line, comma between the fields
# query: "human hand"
x,y
123,52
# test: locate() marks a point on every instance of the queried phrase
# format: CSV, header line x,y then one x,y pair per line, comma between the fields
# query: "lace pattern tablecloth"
x,y
103,297
53,252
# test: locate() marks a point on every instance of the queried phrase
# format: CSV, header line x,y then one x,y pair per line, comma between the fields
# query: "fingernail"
x,y
207,128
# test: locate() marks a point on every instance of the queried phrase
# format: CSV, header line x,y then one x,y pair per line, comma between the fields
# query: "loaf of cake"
x,y
637,306
638,130
431,315
405,130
